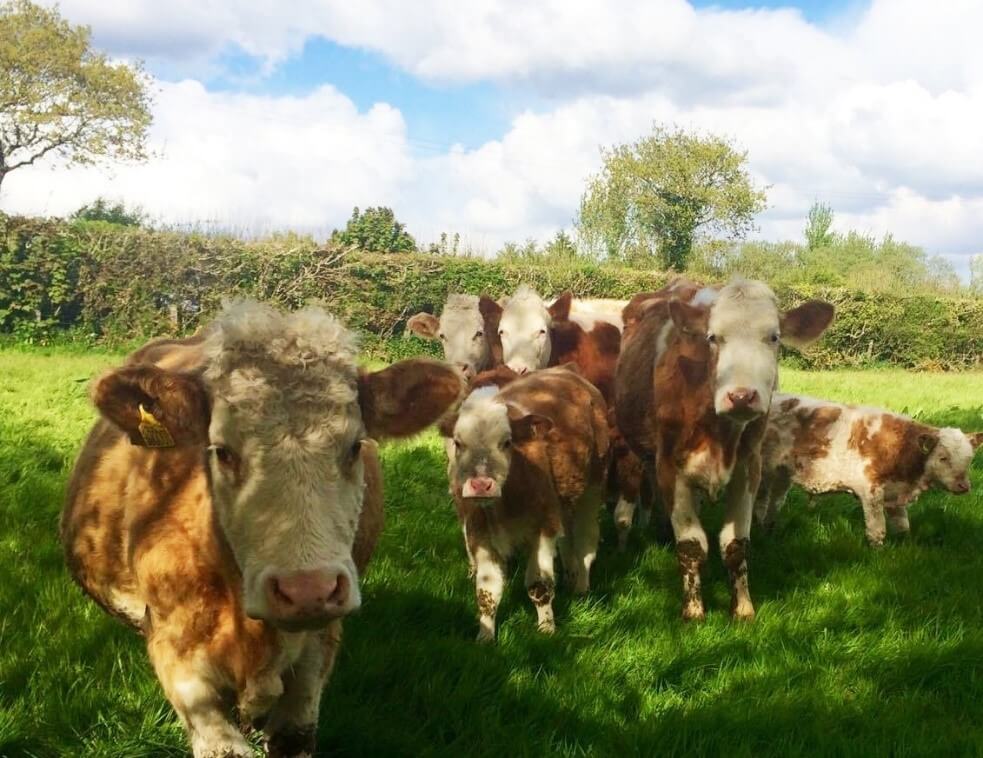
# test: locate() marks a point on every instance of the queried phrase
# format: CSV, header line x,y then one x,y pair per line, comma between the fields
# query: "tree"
x,y
656,195
375,230
817,231
58,96
102,210
976,273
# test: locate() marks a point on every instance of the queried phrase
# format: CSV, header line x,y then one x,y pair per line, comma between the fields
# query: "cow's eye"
x,y
774,338
224,456
479,334
458,445
712,338
501,332
356,449
442,337
506,444
542,332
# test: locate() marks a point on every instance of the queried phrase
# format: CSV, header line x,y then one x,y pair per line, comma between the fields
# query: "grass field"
x,y
854,651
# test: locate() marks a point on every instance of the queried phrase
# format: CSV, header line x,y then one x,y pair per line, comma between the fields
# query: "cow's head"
x,y
950,454
279,411
524,329
462,332
742,327
485,434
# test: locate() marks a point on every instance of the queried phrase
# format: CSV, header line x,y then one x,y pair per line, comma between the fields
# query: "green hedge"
x,y
118,284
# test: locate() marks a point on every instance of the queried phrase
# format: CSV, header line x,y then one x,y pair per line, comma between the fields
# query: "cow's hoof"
x,y
694,612
743,613
547,627
485,637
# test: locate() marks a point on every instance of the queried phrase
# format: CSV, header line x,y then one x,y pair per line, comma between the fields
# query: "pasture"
x,y
853,652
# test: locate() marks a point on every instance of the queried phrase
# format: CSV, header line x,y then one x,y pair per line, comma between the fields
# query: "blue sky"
x,y
487,119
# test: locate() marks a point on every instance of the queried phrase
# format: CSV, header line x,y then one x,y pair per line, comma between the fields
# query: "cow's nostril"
x,y
341,590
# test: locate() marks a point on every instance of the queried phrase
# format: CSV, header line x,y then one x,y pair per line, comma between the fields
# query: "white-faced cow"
x,y
885,459
227,503
529,473
467,331
694,386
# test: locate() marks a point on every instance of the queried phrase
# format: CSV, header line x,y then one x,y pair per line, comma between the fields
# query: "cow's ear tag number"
x,y
154,433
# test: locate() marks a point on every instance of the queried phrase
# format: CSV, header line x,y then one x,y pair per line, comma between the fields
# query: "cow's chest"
x,y
265,687
708,469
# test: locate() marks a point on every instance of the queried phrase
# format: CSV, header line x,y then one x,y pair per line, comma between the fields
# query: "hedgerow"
x,y
117,284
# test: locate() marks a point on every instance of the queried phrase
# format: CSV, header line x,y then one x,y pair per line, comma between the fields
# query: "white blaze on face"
x,y
483,446
948,463
287,480
744,328
524,331
462,334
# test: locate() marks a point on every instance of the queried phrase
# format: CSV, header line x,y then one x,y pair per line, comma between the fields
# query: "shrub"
x,y
125,283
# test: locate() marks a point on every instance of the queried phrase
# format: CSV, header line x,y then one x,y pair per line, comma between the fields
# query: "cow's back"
x,y
634,379
594,352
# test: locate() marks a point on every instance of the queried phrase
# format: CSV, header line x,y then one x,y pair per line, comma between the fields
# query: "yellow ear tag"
x,y
154,433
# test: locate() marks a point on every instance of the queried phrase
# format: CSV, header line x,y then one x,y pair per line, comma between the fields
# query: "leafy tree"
x,y
58,96
656,195
374,230
561,247
817,231
102,210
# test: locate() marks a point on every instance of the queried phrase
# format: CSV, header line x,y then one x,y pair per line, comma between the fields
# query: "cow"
x,y
467,331
693,391
531,456
885,459
535,335
226,509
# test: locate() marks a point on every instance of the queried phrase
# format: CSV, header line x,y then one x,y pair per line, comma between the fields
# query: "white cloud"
x,y
244,161
878,115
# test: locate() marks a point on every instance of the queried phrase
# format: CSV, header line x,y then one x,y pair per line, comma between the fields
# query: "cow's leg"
x,y
897,520
292,725
624,515
189,684
691,543
629,475
734,539
541,581
771,497
874,519
586,536
489,583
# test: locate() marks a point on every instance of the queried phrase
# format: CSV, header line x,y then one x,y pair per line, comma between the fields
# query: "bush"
x,y
121,284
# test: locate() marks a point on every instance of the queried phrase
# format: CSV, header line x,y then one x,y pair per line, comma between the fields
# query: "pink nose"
x,y
743,399
482,485
465,369
961,488
309,596
521,371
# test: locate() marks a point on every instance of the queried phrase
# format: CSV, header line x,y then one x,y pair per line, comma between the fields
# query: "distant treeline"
x,y
114,283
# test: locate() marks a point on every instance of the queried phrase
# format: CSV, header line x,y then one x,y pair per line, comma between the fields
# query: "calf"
x,y
693,391
467,330
227,508
535,335
886,460
529,471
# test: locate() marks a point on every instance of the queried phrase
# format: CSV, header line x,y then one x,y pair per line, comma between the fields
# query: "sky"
x,y
487,117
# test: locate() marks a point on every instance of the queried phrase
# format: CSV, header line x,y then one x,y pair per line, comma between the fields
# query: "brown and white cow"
x,y
467,330
528,473
885,459
226,508
693,391
592,344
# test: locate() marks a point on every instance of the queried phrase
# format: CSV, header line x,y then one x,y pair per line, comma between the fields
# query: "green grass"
x,y
854,651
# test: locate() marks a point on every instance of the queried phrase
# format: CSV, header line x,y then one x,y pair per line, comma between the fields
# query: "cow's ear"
x,y
927,442
689,319
155,407
560,310
527,426
489,308
424,325
447,424
975,439
804,325
406,397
